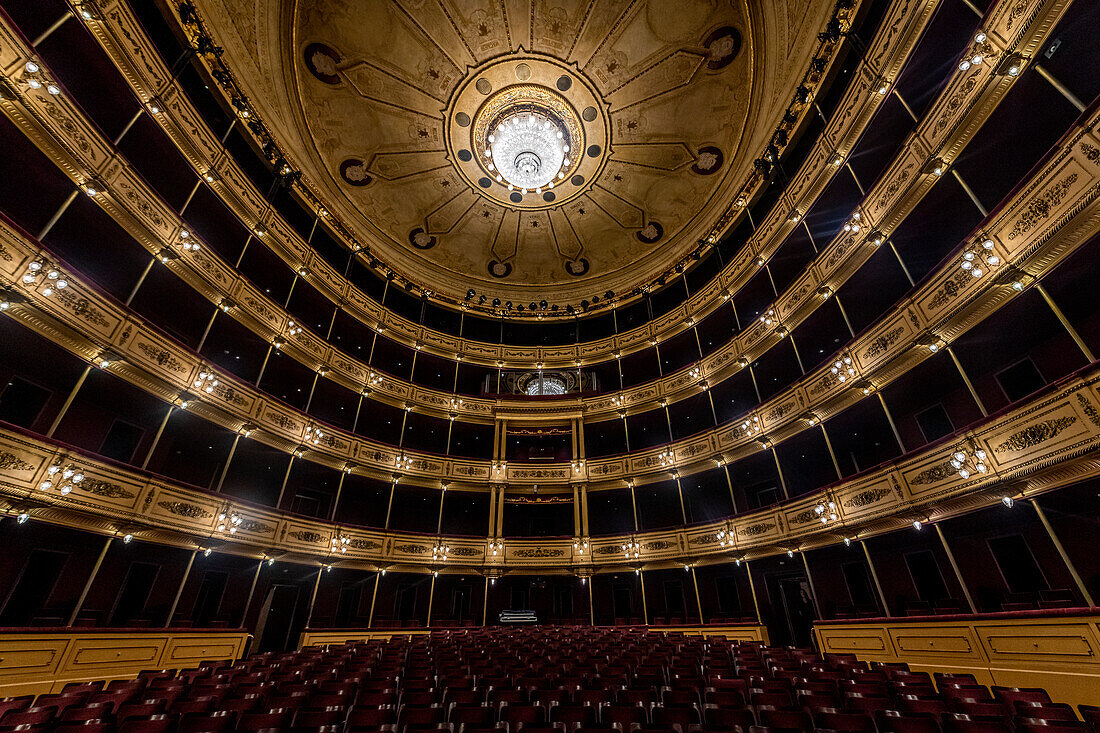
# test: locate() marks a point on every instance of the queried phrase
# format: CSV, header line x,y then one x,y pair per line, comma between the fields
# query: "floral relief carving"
x,y
105,489
1089,409
950,289
12,462
183,509
656,545
895,185
82,307
1041,207
411,549
933,475
161,357
1017,10
865,498
54,113
468,552
1033,435
230,394
534,552
803,517
955,103
282,421
365,545
306,535
704,539
144,207
251,525
755,530
881,344
1092,153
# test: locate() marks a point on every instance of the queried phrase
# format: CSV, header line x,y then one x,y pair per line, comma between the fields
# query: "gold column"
x,y
485,602
584,510
874,577
431,597
698,598
179,591
492,511
313,597
810,581
91,579
251,592
576,511
1065,556
752,591
373,597
955,567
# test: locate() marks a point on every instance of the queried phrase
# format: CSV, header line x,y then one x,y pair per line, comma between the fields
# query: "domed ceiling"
x,y
526,149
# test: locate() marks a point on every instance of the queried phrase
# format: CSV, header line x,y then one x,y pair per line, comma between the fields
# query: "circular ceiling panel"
x,y
528,136
659,108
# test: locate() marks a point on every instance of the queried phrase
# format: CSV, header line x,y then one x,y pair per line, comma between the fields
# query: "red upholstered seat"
x,y
893,721
155,723
216,722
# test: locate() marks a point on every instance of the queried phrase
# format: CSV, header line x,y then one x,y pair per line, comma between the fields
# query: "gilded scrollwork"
x,y
184,509
538,552
105,489
1041,207
865,498
1035,434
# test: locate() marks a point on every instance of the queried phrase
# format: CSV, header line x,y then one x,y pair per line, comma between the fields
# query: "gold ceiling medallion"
x,y
531,145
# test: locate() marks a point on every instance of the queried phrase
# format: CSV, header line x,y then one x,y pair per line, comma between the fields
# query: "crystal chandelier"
x,y
631,549
725,536
64,479
340,543
666,457
527,150
230,522
206,381
826,512
974,260
51,276
545,385
967,462
440,551
842,369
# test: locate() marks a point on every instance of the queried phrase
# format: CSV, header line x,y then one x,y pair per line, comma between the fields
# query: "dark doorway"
x,y
518,598
793,609
406,602
674,600
1018,567
347,606
460,603
622,601
32,591
927,578
564,603
209,598
277,618
130,604
858,580
729,603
